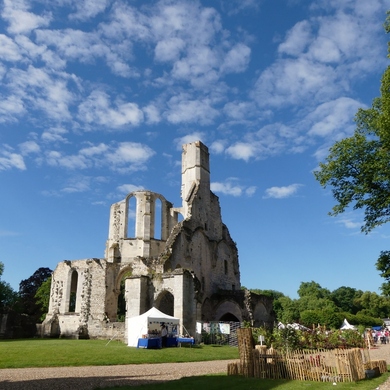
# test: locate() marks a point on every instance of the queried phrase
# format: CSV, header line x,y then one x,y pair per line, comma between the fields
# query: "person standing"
x,y
164,335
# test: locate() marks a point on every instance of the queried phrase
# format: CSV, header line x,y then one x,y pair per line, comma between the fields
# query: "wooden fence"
x,y
337,365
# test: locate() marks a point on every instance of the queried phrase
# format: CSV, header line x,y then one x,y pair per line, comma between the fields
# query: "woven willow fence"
x,y
337,365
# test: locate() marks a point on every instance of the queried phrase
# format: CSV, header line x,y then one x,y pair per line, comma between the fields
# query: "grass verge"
x,y
68,353
217,382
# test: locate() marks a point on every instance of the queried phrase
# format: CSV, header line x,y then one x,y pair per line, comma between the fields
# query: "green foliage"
x,y
8,297
287,339
313,290
27,292
42,297
328,317
345,299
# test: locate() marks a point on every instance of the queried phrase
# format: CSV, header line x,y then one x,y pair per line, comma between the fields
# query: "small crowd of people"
x,y
381,336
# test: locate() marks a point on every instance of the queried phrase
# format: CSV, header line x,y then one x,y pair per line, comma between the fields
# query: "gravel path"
x,y
88,378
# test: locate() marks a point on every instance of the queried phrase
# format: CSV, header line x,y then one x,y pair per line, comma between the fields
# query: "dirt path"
x,y
88,378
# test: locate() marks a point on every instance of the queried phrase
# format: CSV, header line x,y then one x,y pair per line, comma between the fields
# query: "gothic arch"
x,y
165,302
228,311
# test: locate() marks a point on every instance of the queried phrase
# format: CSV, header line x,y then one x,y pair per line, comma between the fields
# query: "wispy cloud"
x,y
282,192
232,187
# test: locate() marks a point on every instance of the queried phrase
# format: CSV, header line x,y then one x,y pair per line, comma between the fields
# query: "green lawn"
x,y
217,382
55,353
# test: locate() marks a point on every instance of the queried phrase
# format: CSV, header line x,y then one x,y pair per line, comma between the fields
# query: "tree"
x,y
345,299
42,297
312,289
8,297
358,168
28,289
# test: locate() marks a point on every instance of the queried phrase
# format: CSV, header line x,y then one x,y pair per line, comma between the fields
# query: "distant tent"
x,y
137,326
297,326
347,325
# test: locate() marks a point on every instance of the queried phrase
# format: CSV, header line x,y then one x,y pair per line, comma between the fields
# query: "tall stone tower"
x,y
195,174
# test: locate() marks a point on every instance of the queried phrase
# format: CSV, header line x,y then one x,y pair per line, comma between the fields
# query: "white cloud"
x,y
184,109
152,113
169,49
43,90
193,137
130,154
97,108
127,188
240,110
241,151
29,147
120,157
226,188
10,107
58,159
297,39
9,50
349,223
232,188
333,117
282,192
250,191
218,146
294,81
87,9
237,59
20,20
54,134
10,160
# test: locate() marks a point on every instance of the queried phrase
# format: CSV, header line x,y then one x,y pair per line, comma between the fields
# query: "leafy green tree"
x,y
358,168
374,305
313,290
42,297
28,289
286,310
8,297
383,265
345,299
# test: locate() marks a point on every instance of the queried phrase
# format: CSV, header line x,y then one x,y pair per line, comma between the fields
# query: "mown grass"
x,y
217,382
67,353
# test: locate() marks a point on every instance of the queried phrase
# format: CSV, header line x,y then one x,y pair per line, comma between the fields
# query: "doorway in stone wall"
x,y
121,302
164,302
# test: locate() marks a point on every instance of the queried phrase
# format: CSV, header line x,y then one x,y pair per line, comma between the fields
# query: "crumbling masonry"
x,y
187,269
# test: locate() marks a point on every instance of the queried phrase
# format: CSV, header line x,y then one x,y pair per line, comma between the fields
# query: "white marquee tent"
x,y
138,326
347,325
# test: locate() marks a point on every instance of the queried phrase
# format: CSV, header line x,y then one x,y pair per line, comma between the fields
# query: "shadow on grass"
x,y
212,382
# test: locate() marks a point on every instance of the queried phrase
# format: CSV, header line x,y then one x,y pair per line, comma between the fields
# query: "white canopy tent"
x,y
347,325
139,325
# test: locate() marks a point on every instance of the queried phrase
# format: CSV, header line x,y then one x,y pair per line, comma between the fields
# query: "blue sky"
x,y
97,97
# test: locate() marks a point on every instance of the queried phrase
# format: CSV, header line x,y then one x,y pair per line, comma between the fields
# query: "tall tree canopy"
x,y
28,289
8,296
358,168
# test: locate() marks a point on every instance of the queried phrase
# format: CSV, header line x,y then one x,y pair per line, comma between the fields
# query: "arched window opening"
x,y
73,292
121,306
229,317
157,219
165,303
131,216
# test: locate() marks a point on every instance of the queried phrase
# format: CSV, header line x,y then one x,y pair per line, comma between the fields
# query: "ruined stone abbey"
x,y
184,266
